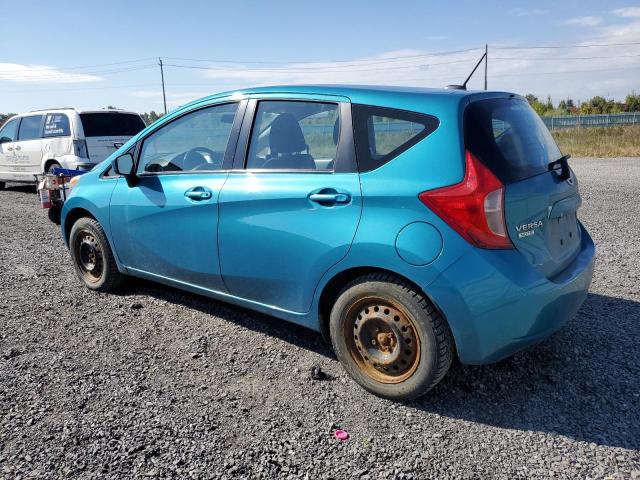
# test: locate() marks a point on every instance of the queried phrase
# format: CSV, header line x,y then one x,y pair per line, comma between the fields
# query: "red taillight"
x,y
474,207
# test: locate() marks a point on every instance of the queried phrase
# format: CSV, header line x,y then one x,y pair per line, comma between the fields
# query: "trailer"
x,y
54,188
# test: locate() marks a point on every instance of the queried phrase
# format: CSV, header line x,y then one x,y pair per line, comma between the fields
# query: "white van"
x,y
36,142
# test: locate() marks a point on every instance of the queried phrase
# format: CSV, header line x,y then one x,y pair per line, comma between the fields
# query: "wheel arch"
x,y
72,217
332,289
46,162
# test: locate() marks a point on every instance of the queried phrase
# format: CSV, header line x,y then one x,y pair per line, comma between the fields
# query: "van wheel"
x,y
390,338
53,165
92,256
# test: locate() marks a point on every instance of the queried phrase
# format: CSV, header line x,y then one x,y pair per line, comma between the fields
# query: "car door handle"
x,y
198,193
330,197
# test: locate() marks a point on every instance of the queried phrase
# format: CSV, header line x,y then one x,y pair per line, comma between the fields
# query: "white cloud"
x,y
629,12
16,72
523,12
587,21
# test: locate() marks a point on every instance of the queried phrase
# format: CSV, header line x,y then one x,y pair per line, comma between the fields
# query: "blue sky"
x,y
93,54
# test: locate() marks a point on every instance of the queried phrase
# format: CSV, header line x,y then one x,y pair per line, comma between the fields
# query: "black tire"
x,y
54,214
92,256
51,166
401,313
2,185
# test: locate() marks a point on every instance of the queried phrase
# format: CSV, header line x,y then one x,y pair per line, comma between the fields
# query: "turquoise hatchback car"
x,y
407,225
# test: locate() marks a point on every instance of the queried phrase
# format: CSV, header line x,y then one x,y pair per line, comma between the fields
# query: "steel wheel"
x,y
89,255
382,339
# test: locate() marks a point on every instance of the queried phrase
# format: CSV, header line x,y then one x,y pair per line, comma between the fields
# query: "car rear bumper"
x,y
496,303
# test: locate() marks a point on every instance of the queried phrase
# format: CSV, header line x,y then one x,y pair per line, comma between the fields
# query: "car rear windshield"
x,y
509,137
111,124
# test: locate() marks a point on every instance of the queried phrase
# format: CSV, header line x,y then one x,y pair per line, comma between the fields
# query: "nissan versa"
x,y
407,225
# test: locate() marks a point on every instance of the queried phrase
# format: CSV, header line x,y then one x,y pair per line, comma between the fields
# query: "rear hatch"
x,y
105,132
540,192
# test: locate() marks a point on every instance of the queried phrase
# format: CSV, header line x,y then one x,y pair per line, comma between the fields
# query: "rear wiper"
x,y
565,172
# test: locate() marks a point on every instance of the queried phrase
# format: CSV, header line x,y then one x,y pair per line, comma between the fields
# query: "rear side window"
x,y
294,135
111,124
382,134
30,127
56,125
509,137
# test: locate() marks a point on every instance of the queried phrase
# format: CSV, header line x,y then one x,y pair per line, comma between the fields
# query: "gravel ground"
x,y
155,382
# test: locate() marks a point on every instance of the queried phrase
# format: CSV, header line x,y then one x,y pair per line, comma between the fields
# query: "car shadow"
x,y
249,319
24,188
581,383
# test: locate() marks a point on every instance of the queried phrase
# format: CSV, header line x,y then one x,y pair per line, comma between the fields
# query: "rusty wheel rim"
x,y
89,256
382,339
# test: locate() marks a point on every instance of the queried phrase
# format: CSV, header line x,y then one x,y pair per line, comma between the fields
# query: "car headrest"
x,y
336,131
286,135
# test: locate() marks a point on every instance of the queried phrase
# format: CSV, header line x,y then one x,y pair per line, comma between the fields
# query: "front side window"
x,y
56,125
382,134
195,142
30,127
9,130
294,135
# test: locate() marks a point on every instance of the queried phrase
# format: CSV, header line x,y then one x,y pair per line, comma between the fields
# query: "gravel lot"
x,y
155,382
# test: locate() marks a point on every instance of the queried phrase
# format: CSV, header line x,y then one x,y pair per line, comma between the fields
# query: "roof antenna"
x,y
464,85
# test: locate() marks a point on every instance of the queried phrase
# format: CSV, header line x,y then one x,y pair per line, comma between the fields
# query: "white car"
x,y
36,142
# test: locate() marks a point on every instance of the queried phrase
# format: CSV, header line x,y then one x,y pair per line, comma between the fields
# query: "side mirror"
x,y
124,165
5,140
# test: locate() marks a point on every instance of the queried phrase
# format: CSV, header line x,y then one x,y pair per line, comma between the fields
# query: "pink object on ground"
x,y
341,435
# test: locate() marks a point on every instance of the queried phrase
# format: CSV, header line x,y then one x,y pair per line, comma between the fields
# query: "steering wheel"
x,y
198,161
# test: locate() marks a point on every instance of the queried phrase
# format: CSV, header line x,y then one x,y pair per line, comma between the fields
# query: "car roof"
x,y
365,94
77,110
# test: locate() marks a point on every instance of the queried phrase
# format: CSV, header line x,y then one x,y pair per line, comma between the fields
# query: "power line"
x,y
51,74
514,47
314,69
356,62
564,58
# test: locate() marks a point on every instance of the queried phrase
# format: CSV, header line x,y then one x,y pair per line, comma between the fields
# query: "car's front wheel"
x,y
389,337
92,256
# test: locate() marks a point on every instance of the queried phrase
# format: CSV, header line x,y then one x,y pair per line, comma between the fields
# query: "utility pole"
x,y
486,59
164,96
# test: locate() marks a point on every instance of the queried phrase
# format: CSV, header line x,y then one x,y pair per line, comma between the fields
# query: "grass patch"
x,y
619,141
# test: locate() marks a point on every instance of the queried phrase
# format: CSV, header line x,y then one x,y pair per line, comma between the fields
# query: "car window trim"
x,y
229,151
345,161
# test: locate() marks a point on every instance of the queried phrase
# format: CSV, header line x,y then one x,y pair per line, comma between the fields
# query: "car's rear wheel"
x,y
92,256
389,337
51,166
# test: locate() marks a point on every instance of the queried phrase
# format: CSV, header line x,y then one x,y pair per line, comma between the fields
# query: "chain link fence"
x,y
601,120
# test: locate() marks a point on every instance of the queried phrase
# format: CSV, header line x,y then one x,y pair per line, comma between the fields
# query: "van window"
x,y
111,124
56,125
382,134
9,130
509,137
30,127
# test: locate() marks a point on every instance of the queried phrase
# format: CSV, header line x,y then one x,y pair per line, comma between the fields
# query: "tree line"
x,y
595,105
